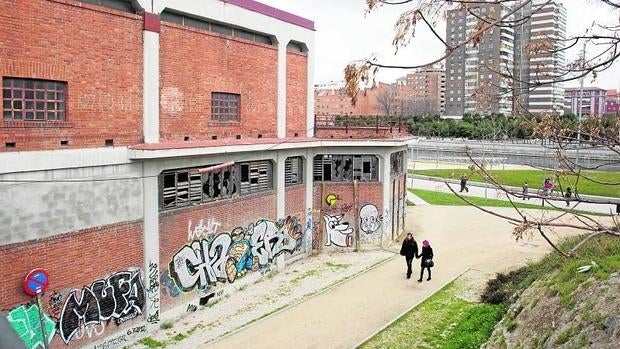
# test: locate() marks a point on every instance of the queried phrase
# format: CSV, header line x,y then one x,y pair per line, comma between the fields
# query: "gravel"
x,y
273,292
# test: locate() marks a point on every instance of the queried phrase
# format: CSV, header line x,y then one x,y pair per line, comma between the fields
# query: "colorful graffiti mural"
x,y
370,219
228,256
26,322
337,232
119,297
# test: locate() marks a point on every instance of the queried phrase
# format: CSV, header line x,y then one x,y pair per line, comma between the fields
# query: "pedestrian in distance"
x,y
524,190
427,260
568,194
410,251
464,184
618,209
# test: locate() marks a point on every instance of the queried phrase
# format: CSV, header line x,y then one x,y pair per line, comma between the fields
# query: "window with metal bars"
x,y
185,187
345,168
121,5
225,107
33,100
293,171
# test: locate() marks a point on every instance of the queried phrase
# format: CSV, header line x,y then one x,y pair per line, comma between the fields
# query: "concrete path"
x,y
343,316
492,193
416,199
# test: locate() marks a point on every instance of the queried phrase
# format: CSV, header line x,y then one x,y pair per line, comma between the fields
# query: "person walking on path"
x,y
427,260
524,191
464,184
568,195
410,251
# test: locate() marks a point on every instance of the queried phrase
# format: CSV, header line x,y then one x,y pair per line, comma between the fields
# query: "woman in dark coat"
x,y
427,257
410,251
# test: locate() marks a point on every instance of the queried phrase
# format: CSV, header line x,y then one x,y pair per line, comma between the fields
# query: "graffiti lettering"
x,y
202,229
229,256
139,329
113,343
153,290
119,297
191,308
55,303
153,318
338,232
370,220
169,287
90,331
25,321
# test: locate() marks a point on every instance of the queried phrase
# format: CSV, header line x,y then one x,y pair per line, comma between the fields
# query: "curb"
x,y
408,310
304,299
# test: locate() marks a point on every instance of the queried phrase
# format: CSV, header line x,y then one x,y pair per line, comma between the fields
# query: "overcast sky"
x,y
345,34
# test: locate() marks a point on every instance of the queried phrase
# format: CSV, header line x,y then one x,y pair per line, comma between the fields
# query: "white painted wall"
x,y
150,111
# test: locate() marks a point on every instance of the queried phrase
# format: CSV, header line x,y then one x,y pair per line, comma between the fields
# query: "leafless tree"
x,y
386,98
604,42
422,107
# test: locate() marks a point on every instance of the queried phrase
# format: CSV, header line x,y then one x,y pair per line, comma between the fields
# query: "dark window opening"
x,y
121,5
345,168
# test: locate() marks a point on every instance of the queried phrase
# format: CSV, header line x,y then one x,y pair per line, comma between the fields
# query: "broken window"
x,y
345,168
183,187
397,163
293,170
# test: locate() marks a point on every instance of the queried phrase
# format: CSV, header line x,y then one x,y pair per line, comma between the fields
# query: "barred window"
x,y
188,186
33,100
397,163
293,170
345,168
225,106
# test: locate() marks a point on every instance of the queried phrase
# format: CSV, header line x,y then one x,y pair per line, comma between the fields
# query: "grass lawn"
x,y
449,199
535,178
441,321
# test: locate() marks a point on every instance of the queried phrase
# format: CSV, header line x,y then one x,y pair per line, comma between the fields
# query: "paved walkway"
x,y
347,314
492,193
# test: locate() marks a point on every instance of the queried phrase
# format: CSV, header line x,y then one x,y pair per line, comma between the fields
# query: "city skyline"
x,y
373,33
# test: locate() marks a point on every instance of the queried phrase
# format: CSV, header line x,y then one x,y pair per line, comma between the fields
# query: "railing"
x,y
346,122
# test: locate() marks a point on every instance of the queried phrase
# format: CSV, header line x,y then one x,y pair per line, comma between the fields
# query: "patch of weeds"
x,y
475,327
179,337
209,305
307,274
599,321
499,289
150,342
242,287
511,325
535,302
566,335
582,341
166,325
193,329
410,203
337,265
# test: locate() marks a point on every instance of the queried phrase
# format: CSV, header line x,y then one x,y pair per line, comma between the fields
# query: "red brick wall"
x,y
194,64
367,192
295,201
72,260
361,133
296,93
232,213
97,51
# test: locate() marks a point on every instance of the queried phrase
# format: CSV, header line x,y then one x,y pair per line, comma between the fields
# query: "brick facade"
x,y
38,40
225,214
73,261
194,64
362,133
296,94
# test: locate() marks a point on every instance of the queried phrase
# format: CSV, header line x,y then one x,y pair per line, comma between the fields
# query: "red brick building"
x,y
160,154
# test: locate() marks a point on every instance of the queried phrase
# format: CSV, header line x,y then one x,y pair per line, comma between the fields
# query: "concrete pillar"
x,y
280,197
309,184
150,228
281,111
150,110
387,198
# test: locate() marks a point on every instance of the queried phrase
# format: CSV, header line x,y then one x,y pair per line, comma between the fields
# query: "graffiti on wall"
x,y
119,297
228,256
27,324
153,293
168,286
203,229
370,219
337,232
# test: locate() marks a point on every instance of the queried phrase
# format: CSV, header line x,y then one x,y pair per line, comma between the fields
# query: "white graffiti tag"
x,y
202,229
338,232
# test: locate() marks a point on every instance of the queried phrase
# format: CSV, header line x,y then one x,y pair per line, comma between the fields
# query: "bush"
x,y
500,289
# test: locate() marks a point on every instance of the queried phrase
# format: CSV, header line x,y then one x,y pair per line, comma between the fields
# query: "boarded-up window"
x,y
293,170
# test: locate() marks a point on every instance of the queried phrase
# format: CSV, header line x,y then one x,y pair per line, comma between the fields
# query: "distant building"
x,y
428,87
397,98
593,102
612,103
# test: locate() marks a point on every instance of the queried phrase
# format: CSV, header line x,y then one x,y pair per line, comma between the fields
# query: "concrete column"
x,y
280,197
150,243
387,198
150,110
309,184
281,112
310,90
